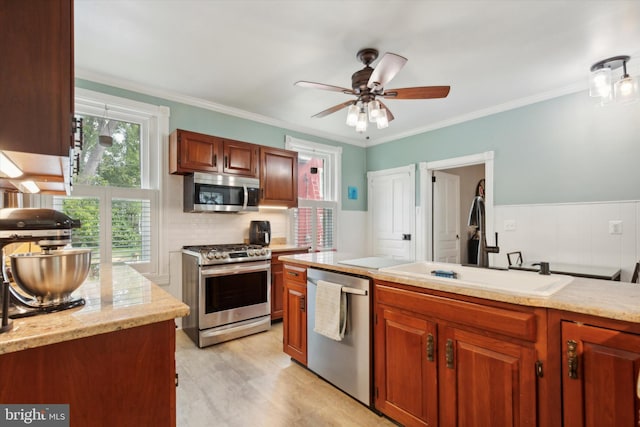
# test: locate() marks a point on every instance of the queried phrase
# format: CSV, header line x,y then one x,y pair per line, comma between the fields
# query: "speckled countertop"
x,y
119,298
614,300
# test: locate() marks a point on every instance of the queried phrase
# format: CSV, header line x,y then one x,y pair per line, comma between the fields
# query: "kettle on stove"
x,y
260,233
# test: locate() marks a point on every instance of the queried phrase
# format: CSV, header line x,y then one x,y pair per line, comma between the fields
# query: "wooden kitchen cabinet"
x,y
278,177
37,102
406,367
124,378
240,158
277,283
443,361
600,369
295,313
193,152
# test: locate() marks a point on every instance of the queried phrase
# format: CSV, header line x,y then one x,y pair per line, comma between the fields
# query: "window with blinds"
x,y
130,230
87,210
313,222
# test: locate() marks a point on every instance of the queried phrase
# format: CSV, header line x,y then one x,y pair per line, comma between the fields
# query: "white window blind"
x,y
130,230
314,226
87,210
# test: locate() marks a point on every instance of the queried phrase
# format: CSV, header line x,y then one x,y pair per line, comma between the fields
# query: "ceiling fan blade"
x,y
322,86
389,113
333,109
421,92
386,69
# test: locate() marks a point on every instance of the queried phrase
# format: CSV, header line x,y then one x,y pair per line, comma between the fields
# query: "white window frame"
x,y
154,128
332,180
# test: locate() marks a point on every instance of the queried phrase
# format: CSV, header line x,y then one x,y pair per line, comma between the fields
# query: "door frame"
x,y
424,246
411,170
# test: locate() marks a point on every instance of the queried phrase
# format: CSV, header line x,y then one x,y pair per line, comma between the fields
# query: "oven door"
x,y
234,292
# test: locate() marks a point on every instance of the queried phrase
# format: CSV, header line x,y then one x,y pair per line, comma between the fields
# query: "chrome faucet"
x,y
477,219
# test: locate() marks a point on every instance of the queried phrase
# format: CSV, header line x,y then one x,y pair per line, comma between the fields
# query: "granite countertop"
x,y
117,298
609,299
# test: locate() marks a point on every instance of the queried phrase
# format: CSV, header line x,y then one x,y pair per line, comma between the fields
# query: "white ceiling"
x,y
243,57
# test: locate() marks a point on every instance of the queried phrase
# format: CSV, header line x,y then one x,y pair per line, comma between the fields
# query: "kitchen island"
x,y
446,353
111,360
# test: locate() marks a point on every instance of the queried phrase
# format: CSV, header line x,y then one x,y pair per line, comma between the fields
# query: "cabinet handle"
x,y
449,353
225,161
430,347
572,358
292,273
303,304
215,160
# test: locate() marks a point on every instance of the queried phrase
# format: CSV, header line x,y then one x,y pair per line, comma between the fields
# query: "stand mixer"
x,y
49,229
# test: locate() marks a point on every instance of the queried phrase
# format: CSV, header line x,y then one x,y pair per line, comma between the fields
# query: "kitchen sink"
x,y
521,282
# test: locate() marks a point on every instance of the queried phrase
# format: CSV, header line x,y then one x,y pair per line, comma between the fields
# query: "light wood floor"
x,y
251,382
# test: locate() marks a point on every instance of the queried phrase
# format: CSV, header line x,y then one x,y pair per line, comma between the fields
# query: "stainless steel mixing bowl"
x,y
51,277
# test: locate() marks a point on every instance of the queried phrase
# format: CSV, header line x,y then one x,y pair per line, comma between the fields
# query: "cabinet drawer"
x,y
511,323
295,274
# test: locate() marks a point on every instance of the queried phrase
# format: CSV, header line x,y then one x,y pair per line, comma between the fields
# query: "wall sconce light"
x,y
601,84
105,139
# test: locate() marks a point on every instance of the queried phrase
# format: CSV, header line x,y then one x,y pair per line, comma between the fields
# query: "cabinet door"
x,y
278,177
295,316
406,367
599,372
193,152
485,381
37,102
240,158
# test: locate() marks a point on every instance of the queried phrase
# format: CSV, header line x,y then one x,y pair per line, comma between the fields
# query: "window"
x,y
314,221
116,192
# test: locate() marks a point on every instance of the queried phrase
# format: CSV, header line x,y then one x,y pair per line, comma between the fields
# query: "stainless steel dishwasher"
x,y
346,364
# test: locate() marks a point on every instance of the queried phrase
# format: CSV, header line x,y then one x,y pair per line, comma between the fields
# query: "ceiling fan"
x,y
368,84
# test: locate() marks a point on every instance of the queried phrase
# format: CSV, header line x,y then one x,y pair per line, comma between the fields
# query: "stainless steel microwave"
x,y
220,193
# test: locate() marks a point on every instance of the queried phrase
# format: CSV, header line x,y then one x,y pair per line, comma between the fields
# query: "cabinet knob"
x,y
430,349
449,353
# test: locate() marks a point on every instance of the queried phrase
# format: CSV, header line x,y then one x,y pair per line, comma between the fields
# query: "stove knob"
x,y
210,254
251,252
218,255
263,252
225,255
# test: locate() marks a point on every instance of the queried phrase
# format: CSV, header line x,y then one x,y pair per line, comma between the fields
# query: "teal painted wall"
x,y
197,119
562,150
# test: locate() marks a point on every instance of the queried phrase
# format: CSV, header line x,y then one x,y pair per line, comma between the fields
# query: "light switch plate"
x,y
615,227
509,225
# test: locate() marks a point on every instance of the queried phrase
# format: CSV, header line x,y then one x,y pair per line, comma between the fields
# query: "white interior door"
x,y
446,217
392,212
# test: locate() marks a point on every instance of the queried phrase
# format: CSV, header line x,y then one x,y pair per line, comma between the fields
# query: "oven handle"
x,y
233,269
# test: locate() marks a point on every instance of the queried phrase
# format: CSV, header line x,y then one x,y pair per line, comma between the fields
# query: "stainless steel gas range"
x,y
228,289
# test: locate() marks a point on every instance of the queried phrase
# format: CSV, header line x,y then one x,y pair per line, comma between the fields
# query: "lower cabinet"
x,y
277,283
122,378
295,313
600,369
440,361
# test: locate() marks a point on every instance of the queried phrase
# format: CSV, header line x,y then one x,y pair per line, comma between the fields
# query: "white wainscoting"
x,y
353,232
575,233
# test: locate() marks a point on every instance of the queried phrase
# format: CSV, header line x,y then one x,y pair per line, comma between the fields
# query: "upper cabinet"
x,y
196,152
193,152
37,102
240,158
278,177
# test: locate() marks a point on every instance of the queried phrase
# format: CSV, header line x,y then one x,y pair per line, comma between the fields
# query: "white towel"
x,y
330,310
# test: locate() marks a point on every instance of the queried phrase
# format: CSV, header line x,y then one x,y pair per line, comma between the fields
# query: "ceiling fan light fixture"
x,y
373,108
352,115
626,89
361,125
600,83
382,121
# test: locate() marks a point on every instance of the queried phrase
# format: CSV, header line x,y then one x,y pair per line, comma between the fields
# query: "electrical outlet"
x,y
509,225
615,227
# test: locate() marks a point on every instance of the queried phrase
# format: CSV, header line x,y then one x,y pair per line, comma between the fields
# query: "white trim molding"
x,y
424,249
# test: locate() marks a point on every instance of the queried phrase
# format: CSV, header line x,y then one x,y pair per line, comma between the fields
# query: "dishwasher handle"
x,y
354,291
